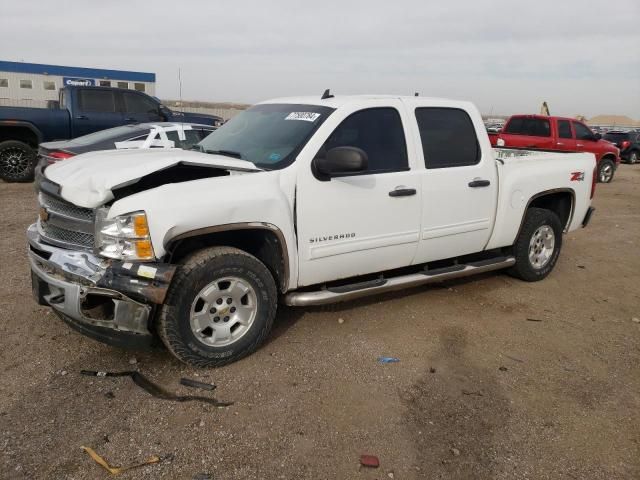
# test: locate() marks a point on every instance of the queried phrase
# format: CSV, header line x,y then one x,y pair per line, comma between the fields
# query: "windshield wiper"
x,y
226,153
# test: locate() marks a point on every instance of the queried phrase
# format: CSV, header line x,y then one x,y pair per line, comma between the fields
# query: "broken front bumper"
x,y
107,300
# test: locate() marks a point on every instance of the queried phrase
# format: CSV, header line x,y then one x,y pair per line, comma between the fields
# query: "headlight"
x,y
125,237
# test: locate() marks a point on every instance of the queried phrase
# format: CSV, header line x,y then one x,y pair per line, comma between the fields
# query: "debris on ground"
x,y
118,470
110,395
514,358
369,461
133,361
156,390
432,370
469,392
341,320
582,267
503,369
635,320
455,452
533,320
187,382
388,360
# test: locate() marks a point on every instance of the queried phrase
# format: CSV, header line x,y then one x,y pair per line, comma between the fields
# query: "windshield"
x,y
103,135
269,135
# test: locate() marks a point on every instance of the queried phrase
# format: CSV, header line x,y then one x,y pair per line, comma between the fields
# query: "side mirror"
x,y
597,136
340,161
165,113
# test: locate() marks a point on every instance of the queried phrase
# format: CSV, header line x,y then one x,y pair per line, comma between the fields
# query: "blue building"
x,y
33,84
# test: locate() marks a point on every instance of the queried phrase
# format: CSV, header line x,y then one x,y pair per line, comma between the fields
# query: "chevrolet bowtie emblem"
x,y
44,215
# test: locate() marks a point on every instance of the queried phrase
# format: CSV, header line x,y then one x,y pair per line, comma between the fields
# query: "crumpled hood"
x,y
87,180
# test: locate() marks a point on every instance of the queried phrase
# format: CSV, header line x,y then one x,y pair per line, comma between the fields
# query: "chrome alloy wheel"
x,y
606,173
14,161
541,246
223,311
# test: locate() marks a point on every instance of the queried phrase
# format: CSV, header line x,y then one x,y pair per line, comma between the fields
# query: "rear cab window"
x,y
564,129
448,137
530,126
95,100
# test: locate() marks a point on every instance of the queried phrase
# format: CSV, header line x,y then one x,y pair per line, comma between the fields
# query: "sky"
x,y
581,57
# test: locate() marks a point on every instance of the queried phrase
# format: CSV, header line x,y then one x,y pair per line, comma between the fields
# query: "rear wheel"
x,y
17,161
220,307
606,170
538,245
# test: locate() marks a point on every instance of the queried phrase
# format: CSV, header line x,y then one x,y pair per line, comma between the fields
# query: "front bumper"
x,y
107,300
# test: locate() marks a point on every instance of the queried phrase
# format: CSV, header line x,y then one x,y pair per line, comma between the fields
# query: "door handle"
x,y
81,117
402,192
129,119
559,143
580,145
479,183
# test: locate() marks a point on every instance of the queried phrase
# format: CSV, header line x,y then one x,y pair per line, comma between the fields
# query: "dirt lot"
x,y
481,391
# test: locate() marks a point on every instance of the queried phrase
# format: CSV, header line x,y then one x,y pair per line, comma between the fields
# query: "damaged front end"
x,y
108,300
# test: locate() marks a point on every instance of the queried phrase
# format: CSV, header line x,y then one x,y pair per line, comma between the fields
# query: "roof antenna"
x,y
326,94
416,94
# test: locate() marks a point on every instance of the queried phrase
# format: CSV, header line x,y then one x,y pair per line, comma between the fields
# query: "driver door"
x,y
139,108
366,222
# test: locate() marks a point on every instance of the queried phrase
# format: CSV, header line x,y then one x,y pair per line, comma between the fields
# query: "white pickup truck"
x,y
306,201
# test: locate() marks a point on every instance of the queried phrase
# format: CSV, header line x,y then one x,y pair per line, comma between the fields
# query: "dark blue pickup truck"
x,y
80,110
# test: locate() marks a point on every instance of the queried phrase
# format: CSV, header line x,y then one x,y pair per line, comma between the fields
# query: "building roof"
x,y
41,69
613,120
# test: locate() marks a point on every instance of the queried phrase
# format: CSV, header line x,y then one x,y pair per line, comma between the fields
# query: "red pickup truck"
x,y
558,134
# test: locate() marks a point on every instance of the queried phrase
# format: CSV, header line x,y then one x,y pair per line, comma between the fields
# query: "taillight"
x,y
625,144
58,155
594,179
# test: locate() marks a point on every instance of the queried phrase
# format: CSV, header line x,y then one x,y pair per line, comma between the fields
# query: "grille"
x,y
65,208
67,237
64,224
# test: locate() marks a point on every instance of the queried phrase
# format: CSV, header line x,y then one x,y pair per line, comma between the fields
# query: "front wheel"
x,y
538,245
606,170
17,161
220,307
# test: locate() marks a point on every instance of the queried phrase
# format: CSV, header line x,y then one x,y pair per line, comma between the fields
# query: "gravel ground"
x,y
481,391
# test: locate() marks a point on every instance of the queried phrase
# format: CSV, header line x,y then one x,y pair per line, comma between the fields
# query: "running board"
x,y
362,289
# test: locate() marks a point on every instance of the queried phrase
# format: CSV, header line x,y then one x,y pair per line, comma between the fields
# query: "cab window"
x,y
533,127
582,132
564,129
377,131
448,137
95,100
135,103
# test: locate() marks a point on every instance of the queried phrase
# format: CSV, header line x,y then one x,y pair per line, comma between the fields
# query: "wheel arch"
x,y
20,131
561,201
264,241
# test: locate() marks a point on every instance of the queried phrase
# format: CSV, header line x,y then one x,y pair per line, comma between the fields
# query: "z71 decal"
x,y
577,176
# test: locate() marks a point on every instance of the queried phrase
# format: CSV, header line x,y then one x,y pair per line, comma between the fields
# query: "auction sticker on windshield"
x,y
306,116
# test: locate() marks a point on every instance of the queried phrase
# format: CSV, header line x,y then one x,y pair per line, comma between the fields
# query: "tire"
x,y
543,222
606,169
633,157
208,281
17,161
